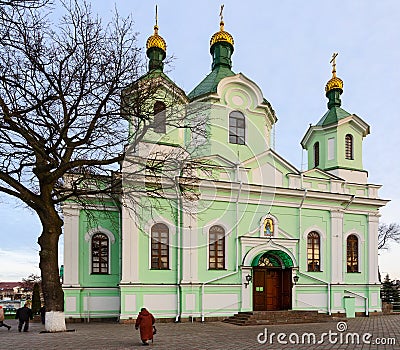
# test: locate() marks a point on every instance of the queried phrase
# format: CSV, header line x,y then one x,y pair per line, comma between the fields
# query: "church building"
x,y
236,227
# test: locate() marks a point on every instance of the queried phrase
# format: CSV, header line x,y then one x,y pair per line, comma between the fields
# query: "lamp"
x,y
248,280
295,279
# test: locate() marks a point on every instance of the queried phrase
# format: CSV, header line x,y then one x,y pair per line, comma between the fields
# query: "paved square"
x,y
209,335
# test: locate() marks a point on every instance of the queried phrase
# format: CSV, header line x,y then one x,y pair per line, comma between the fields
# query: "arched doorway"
x,y
272,281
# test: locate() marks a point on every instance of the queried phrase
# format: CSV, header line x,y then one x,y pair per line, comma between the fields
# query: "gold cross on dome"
x,y
333,61
220,13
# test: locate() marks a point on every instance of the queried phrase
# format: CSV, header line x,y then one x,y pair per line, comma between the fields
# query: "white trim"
x,y
89,234
248,257
71,245
158,220
111,240
353,231
275,223
316,229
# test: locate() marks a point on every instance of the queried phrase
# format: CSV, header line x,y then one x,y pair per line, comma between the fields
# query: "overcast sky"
x,y
285,47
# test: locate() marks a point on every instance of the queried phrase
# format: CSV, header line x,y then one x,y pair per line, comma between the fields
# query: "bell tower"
x,y
334,144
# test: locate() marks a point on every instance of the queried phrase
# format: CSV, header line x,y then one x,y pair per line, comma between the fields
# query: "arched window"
x,y
316,154
159,247
216,257
313,251
237,128
352,253
349,146
100,253
160,118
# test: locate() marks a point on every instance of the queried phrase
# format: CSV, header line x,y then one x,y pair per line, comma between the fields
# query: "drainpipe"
x,y
119,250
350,201
328,284
178,264
237,250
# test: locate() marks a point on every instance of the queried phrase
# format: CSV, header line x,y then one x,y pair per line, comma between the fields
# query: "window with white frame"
x,y
216,246
100,253
159,247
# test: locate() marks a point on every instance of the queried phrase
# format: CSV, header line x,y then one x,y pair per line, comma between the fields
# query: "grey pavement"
x,y
211,335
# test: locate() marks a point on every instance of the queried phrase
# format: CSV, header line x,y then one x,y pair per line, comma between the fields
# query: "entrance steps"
x,y
276,317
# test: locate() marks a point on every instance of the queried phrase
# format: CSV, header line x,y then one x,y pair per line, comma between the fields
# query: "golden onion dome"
x,y
221,36
335,82
156,41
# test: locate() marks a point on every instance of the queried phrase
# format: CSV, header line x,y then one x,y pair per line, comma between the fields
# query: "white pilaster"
x,y
130,246
373,223
189,244
337,246
71,246
247,291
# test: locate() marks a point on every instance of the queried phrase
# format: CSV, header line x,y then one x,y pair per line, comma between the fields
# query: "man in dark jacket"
x,y
24,314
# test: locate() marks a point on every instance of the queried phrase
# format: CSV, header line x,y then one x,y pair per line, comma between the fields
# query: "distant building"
x,y
14,291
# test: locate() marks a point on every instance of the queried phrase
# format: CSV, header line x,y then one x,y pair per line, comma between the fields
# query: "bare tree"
x,y
61,121
387,234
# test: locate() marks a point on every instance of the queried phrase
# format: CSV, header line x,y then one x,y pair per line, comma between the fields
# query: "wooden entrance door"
x,y
272,289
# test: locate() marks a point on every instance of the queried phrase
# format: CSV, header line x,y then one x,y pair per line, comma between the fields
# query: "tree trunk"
x,y
51,285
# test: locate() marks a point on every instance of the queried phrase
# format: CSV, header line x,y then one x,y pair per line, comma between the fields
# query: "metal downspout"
x,y
179,234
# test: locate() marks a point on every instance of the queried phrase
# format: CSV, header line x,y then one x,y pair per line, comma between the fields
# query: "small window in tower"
x,y
349,146
160,119
316,154
237,128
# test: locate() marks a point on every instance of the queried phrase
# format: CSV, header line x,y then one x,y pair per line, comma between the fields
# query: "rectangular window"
x,y
216,252
160,247
237,128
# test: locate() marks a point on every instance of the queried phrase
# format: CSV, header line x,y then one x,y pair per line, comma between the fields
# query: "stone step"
x,y
277,317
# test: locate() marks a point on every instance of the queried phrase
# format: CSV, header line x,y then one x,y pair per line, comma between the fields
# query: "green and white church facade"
x,y
257,235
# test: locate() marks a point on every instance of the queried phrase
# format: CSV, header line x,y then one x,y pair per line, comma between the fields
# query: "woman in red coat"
x,y
145,321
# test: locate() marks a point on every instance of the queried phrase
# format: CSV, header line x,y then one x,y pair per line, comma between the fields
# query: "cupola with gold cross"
x,y
334,144
221,45
221,49
156,48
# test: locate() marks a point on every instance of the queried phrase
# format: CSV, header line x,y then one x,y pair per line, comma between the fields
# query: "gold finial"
x,y
333,61
222,35
155,40
335,82
156,25
221,15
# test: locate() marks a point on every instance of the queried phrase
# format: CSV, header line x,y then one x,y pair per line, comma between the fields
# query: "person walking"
x,y
24,314
2,324
145,321
43,314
